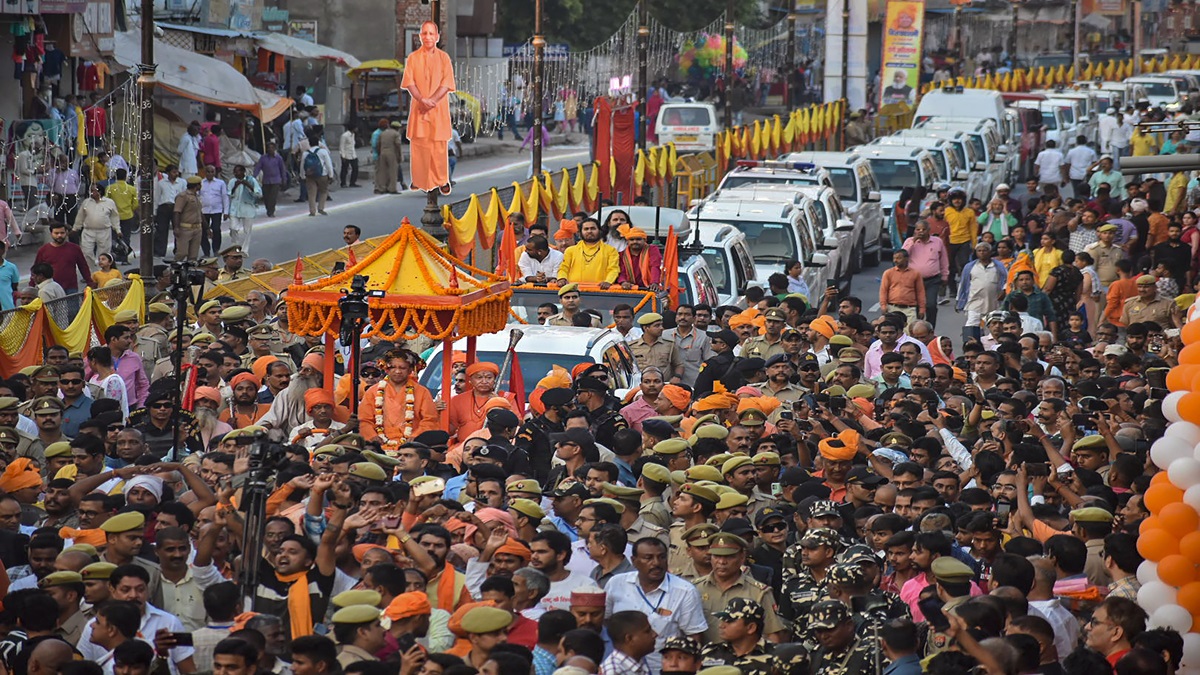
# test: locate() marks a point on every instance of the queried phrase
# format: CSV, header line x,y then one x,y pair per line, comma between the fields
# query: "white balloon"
x,y
1147,573
1185,430
1191,497
1171,616
1170,406
1188,671
1170,448
1184,473
1156,594
1191,650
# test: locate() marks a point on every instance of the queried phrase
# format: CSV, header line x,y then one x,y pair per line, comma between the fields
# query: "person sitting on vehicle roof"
x,y
640,263
591,260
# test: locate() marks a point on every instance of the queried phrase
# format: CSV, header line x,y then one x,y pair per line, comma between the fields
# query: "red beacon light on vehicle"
x,y
772,164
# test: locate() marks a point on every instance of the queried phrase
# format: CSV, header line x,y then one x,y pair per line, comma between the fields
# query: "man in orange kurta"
x,y
468,410
429,79
399,377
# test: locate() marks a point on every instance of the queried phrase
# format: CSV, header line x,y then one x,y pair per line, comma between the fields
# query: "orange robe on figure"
x,y
425,412
430,131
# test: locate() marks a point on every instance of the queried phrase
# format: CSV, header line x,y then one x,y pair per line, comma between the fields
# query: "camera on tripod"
x,y
267,450
355,308
183,275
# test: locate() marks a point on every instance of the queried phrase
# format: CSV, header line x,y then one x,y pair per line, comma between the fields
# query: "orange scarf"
x,y
640,276
298,603
445,589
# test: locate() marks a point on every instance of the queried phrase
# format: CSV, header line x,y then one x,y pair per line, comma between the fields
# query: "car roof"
x,y
539,338
770,192
744,210
951,135
824,157
890,152
719,235
926,142
645,218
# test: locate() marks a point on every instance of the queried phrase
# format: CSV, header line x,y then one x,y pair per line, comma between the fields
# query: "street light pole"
x,y
958,39
539,54
1075,36
1012,38
643,33
146,172
728,63
791,61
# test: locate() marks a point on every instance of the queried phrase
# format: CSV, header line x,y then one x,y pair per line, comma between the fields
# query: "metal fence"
x,y
62,312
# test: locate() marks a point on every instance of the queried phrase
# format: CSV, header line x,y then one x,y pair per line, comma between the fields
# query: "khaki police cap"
x,y
232,250
896,438
1092,514
752,417
700,492
1090,442
714,431
125,316
861,391
263,331
159,308
705,472
45,374
326,450
9,435
59,449
97,571
718,459
1107,227
356,614
526,486
368,470
9,403
695,533
950,570
203,337
617,506
731,500
671,446
568,288
767,459
359,596
840,340
60,579
726,543
620,492
656,472
83,548
209,262
235,313
486,620
849,355
734,463
124,522
47,405
649,318
527,507
211,304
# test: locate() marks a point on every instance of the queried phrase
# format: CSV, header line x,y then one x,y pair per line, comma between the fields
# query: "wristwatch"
x,y
406,538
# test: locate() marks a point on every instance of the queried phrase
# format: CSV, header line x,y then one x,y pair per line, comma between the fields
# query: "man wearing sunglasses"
x,y
76,402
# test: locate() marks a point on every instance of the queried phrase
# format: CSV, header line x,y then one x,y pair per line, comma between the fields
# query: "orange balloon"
x,y
1190,332
1195,380
1159,478
1195,623
1189,405
1182,378
1176,570
1190,354
1179,519
1189,597
1189,546
1158,544
1158,496
1150,523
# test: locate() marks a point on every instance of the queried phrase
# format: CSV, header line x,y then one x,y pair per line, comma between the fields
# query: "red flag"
x,y
506,265
298,276
516,384
671,266
353,260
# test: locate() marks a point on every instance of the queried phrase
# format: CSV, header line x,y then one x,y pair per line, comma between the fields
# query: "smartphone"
x,y
932,408
339,267
406,642
804,425
837,404
429,488
1083,421
390,522
831,284
183,639
787,415
1003,509
1038,469
776,488
932,609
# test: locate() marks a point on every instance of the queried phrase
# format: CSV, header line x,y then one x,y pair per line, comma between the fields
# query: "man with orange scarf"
x,y
298,589
245,410
837,454
397,409
640,264
468,410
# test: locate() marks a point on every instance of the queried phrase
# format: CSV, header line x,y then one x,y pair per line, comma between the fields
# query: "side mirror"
x,y
961,174
979,166
818,260
831,243
844,225
1084,120
695,202
874,196
1003,149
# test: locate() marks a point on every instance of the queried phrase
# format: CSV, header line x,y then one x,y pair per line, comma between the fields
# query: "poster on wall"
x,y
900,75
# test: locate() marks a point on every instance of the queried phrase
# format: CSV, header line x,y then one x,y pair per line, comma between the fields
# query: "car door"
x,y
817,267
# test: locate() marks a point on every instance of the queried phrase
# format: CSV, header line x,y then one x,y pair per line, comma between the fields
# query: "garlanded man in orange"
x,y
397,409
429,79
640,263
468,410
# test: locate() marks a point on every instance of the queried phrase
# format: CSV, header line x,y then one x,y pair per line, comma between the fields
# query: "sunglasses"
x,y
773,527
160,405
810,366
70,381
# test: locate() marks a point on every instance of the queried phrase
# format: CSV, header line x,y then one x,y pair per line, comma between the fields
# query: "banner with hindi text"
x,y
900,75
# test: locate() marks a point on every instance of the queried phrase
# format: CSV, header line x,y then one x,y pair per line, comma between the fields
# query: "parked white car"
x,y
858,189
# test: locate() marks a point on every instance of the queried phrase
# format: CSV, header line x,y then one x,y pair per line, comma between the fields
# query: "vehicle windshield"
x,y
697,116
531,362
718,268
1049,120
1068,114
896,174
769,243
525,302
1159,89
960,153
732,181
980,149
843,183
939,163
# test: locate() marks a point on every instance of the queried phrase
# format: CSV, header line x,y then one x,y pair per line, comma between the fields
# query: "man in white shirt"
x,y
131,583
1050,168
189,150
316,178
551,550
1080,158
349,158
539,263
303,97
214,205
166,189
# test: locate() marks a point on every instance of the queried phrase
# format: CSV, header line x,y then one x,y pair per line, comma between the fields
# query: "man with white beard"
x,y
287,410
208,424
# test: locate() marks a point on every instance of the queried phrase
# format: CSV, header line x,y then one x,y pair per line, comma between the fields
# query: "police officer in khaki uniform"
x,y
654,481
741,641
779,382
676,452
841,651
568,297
235,315
232,271
728,581
9,440
95,585
741,474
697,562
153,338
953,580
1150,306
771,343
43,382
652,349
692,507
636,527
47,414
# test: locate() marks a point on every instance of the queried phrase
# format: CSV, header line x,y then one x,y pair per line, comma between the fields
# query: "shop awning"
x,y
300,49
200,78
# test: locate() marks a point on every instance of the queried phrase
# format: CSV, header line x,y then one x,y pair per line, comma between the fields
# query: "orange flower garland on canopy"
x,y
427,292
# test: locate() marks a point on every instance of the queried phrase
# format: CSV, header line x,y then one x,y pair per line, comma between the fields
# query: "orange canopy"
x,y
426,292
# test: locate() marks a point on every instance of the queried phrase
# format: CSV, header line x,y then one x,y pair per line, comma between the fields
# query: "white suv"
x,y
858,189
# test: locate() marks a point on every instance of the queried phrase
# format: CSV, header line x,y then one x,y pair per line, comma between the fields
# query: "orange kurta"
x,y
466,412
425,413
244,420
425,71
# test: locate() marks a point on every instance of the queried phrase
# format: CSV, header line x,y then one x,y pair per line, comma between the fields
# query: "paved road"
x,y
865,287
292,231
